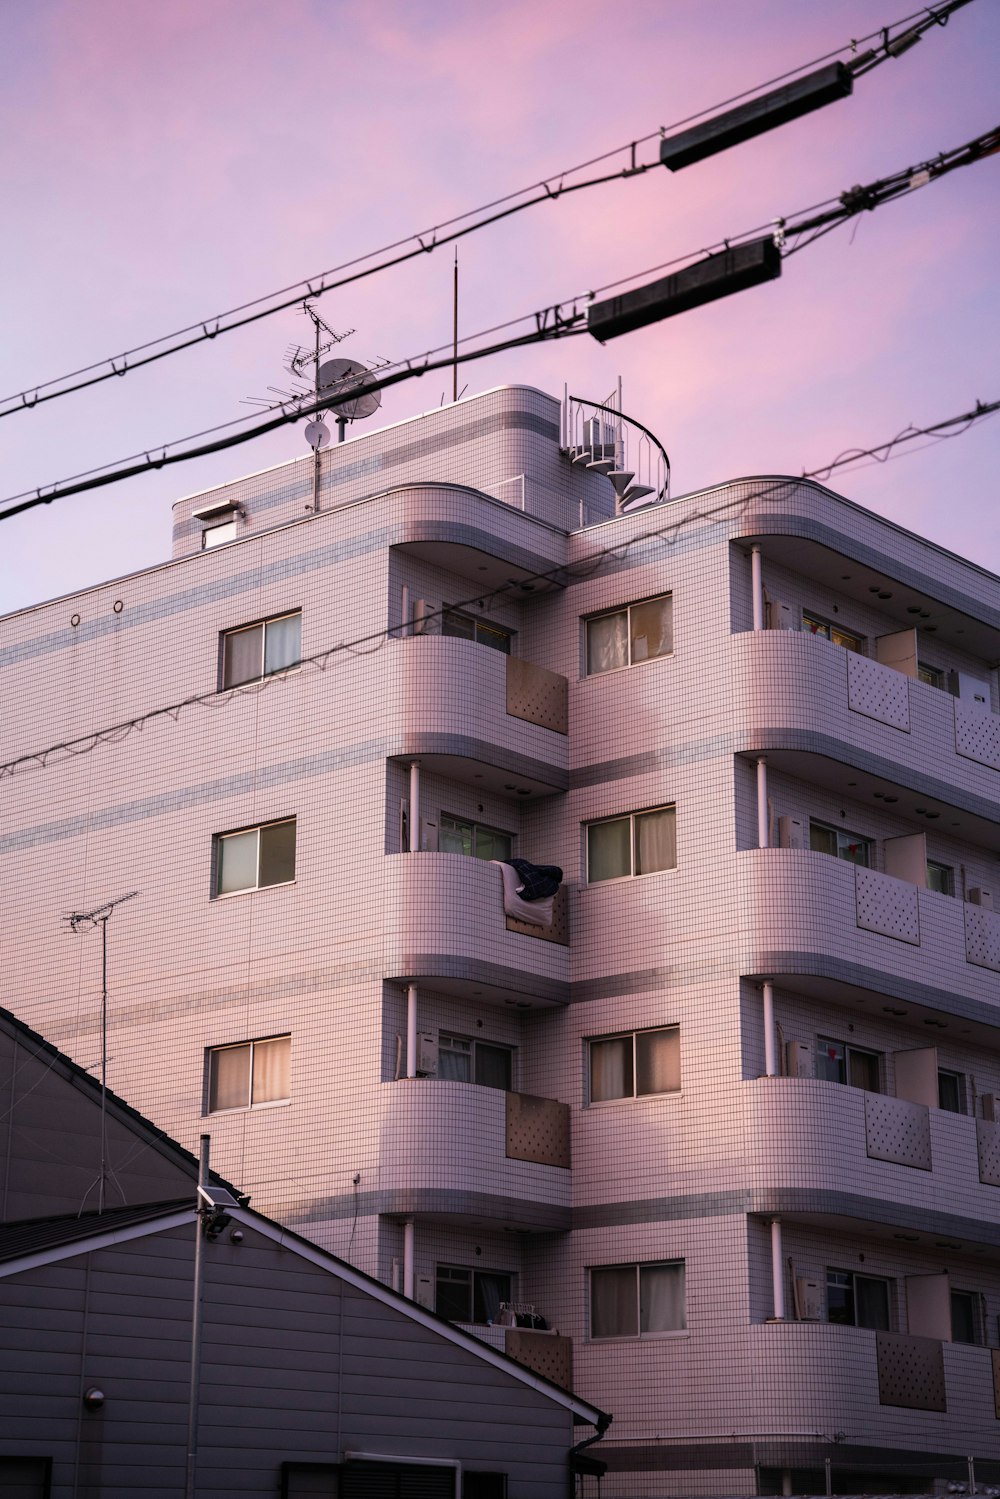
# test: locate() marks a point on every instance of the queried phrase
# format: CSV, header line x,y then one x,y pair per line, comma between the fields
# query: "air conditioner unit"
x,y
791,832
988,1106
810,1299
427,1055
423,1291
800,1058
980,897
778,616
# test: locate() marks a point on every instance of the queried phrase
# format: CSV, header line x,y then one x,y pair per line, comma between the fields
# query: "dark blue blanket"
x,y
537,880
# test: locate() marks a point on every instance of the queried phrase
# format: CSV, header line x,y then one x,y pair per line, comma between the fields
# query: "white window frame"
x,y
639,1336
264,1103
634,1096
626,610
629,817
226,526
476,826
220,838
262,625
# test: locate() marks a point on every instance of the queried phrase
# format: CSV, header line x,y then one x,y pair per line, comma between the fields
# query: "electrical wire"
x,y
559,576
549,323
445,232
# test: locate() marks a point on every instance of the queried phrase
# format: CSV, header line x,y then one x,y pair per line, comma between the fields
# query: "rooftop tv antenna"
x,y
86,921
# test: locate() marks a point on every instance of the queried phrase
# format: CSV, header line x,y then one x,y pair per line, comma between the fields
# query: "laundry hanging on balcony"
x,y
529,890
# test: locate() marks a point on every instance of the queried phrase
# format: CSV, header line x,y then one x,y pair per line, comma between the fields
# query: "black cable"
x,y
207,329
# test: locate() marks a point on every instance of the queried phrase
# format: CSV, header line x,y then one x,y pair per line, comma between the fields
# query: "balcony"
x,y
444,923
808,1140
457,1151
545,1353
805,912
796,693
464,708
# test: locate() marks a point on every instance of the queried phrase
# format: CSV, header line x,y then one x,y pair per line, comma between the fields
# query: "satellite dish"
x,y
336,379
317,434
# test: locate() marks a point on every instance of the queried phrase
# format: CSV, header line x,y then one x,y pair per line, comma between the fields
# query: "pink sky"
x,y
163,162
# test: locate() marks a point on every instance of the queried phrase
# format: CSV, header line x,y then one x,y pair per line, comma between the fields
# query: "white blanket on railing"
x,y
537,912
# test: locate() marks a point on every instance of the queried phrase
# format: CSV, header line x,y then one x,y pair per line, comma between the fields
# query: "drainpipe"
x,y
757,588
414,807
408,1259
762,818
404,609
603,1422
770,1034
411,1030
777,1271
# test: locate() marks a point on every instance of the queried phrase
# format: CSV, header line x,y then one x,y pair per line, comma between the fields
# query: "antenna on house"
x,y
87,921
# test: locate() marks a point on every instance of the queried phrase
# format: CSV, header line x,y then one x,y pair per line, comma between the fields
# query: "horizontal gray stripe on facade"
x,y
662,1209
706,1454
424,967
845,753
780,1201
876,980
466,748
378,463
842,543
669,757
515,1212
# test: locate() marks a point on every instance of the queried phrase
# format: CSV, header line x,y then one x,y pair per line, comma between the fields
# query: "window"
x,y
641,843
966,1322
636,1301
857,1300
940,877
951,1091
640,632
471,1295
252,1073
635,1065
255,651
813,625
467,627
837,1063
217,536
468,1061
255,857
934,676
840,843
457,836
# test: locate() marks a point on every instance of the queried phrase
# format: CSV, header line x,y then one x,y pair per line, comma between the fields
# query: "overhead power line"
x,y
741,261
766,112
559,576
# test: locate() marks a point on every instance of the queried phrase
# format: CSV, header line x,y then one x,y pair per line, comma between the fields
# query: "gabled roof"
x,y
34,1243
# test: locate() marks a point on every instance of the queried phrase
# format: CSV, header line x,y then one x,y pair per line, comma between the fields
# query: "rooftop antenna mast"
x,y
86,921
317,432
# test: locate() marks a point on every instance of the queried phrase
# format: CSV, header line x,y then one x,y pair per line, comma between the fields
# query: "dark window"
x,y
256,651
940,877
465,1295
857,1300
838,1063
26,1477
467,627
965,1320
255,857
824,839
458,836
812,624
934,676
467,1061
400,1480
484,1485
951,1091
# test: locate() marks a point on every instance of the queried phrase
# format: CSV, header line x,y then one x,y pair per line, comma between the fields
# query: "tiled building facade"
x,y
726,1123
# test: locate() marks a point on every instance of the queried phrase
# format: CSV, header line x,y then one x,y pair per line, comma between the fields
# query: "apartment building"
x,y
724,1122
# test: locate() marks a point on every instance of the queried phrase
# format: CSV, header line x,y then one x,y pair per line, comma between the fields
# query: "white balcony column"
x,y
404,609
770,1033
777,1270
414,807
757,587
762,816
408,1259
411,1030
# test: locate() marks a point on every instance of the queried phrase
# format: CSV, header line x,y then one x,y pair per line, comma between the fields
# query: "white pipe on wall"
x,y
770,1035
762,817
777,1271
404,609
414,808
411,1030
757,588
408,1258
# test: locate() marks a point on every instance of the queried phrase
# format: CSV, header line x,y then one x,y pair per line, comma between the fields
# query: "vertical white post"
x,y
762,817
757,588
777,1271
411,1030
414,808
408,1258
404,609
770,1034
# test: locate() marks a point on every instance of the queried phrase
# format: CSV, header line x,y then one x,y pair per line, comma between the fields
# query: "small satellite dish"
x,y
317,434
336,379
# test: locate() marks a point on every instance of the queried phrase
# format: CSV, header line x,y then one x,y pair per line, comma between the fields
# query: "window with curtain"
x,y
256,651
466,1061
465,1295
248,1074
636,1301
624,637
636,1064
641,843
255,857
857,1300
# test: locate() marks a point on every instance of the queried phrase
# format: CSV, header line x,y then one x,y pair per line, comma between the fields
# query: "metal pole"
x,y
411,1030
972,1475
196,1325
762,818
454,336
777,1271
408,1259
828,1465
770,1035
757,587
316,455
414,808
104,1064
